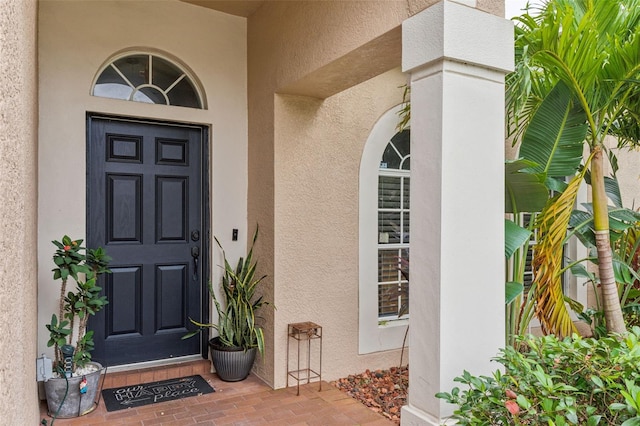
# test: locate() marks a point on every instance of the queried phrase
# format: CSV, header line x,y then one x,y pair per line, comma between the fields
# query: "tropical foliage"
x,y
552,381
575,84
625,240
524,192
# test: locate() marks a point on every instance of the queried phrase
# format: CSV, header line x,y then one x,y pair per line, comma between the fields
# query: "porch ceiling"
x,y
243,8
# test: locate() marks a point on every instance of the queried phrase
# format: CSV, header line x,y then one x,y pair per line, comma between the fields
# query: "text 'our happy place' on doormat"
x,y
151,393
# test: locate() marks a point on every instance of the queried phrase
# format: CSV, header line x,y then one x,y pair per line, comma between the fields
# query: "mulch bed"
x,y
383,391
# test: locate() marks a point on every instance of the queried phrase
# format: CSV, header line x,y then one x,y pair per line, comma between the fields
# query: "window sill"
x,y
393,323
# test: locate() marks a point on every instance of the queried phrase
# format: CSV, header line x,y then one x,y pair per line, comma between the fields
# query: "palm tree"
x,y
577,82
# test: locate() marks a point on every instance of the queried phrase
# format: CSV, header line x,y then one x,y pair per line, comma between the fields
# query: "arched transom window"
x,y
149,78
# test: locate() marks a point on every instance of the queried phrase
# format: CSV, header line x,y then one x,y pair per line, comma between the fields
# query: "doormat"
x,y
151,393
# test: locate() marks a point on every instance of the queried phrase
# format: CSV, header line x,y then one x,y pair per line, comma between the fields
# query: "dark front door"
x,y
145,207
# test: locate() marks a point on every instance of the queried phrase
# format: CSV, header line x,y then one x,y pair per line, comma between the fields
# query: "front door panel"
x,y
144,200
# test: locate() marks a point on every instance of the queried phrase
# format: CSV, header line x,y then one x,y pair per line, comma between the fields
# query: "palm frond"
x,y
592,47
555,135
524,191
552,225
515,237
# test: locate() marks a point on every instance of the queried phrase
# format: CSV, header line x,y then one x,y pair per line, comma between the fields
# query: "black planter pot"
x,y
232,363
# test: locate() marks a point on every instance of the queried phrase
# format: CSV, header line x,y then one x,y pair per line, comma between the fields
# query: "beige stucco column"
x,y
457,57
18,283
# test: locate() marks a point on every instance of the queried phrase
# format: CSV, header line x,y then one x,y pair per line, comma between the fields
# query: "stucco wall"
x,y
629,177
320,51
318,152
283,56
18,186
76,38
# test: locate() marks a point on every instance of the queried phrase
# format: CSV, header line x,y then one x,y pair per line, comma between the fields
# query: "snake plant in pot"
x,y
233,351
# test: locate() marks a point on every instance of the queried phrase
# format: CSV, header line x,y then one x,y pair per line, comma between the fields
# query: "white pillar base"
x,y
412,416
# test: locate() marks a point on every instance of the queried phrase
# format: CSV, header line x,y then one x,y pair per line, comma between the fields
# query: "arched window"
x,y
384,236
393,228
149,78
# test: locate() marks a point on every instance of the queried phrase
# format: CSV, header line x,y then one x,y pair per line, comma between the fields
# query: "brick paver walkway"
x,y
250,402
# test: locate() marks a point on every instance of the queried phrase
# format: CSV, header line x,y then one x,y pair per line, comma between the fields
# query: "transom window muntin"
x,y
396,154
393,229
147,78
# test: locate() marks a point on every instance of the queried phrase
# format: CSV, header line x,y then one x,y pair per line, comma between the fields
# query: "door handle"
x,y
195,253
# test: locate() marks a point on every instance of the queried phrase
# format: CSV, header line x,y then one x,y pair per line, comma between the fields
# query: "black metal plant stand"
x,y
306,332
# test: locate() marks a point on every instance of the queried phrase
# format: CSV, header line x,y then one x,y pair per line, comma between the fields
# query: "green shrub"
x,y
574,381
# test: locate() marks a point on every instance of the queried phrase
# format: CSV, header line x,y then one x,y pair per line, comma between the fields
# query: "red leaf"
x,y
512,406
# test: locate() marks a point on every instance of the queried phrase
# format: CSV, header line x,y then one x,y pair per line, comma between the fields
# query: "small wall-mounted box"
x,y
44,369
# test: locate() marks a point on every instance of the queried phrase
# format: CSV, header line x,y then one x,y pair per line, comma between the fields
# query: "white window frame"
x,y
395,173
374,336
